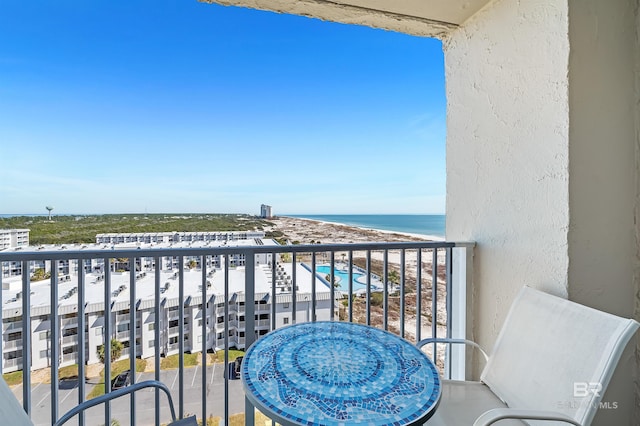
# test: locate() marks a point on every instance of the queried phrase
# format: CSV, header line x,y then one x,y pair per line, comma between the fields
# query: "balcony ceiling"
x,y
433,18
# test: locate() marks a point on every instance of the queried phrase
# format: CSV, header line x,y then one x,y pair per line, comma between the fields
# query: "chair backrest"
x,y
11,412
556,355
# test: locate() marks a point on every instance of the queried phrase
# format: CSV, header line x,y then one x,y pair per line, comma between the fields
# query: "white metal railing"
x,y
69,322
122,318
123,334
13,362
384,286
12,344
70,339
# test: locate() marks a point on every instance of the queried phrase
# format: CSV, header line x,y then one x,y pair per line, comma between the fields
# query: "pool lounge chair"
x,y
12,413
552,360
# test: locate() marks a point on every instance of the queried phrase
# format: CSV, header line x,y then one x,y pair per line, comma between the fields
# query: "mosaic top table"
x,y
339,373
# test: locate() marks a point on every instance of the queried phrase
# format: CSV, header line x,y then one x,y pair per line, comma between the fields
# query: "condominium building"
x,y
176,237
147,240
200,305
12,238
265,211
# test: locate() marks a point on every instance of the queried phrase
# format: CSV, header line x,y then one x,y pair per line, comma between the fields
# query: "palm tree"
x,y
116,350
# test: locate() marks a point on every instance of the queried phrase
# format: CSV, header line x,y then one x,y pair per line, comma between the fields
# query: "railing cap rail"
x,y
63,254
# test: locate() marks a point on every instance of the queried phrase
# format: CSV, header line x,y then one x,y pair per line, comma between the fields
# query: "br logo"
x,y
584,389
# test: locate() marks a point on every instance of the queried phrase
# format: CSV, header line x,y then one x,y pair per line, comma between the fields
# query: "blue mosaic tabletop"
x,y
339,373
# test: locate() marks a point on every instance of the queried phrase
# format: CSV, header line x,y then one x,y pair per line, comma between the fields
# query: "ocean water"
x,y
424,224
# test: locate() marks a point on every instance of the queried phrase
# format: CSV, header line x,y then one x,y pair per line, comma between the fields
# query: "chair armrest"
x,y
424,342
491,416
117,394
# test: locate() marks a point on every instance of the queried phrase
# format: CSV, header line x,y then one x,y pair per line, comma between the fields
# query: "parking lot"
x,y
120,408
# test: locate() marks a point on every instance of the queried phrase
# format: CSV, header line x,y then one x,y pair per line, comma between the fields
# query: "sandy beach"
x,y
306,231
309,231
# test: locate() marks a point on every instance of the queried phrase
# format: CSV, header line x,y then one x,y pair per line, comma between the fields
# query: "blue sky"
x,y
178,106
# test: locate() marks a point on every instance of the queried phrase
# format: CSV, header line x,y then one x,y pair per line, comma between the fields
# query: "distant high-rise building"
x,y
265,211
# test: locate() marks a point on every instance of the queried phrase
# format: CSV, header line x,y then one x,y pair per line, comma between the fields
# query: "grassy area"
x,y
233,354
171,362
13,379
116,368
68,372
83,229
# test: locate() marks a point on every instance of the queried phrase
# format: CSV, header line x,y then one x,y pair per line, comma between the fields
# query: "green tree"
x,y
116,350
39,275
192,264
394,277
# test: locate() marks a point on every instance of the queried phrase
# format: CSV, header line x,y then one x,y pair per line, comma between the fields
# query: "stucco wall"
x,y
507,151
541,160
602,178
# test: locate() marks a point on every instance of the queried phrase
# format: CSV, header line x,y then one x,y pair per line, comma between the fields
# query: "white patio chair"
x,y
12,413
551,364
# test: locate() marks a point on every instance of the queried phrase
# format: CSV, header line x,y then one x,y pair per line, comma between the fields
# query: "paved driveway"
x,y
145,398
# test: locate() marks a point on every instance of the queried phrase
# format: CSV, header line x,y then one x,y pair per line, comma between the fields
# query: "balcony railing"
x,y
12,344
12,326
414,289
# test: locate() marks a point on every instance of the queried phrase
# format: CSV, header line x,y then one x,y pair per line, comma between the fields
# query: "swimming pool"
x,y
343,278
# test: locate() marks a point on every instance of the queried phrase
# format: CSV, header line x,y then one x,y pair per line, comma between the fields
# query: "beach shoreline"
x,y
418,235
335,232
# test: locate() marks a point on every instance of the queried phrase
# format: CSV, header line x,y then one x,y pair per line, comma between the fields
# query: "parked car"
x,y
121,380
238,363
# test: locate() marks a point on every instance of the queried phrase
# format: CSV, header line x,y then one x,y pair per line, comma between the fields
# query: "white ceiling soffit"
x,y
431,18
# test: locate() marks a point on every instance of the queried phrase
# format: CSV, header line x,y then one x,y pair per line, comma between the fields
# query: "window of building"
x,y
13,355
44,335
152,343
99,331
70,332
45,353
285,320
173,323
123,327
152,326
68,350
219,320
14,336
285,306
173,340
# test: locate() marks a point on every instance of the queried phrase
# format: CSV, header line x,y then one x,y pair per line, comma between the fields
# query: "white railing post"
x,y
461,310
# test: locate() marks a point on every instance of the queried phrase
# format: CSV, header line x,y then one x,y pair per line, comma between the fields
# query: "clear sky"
x,y
178,106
